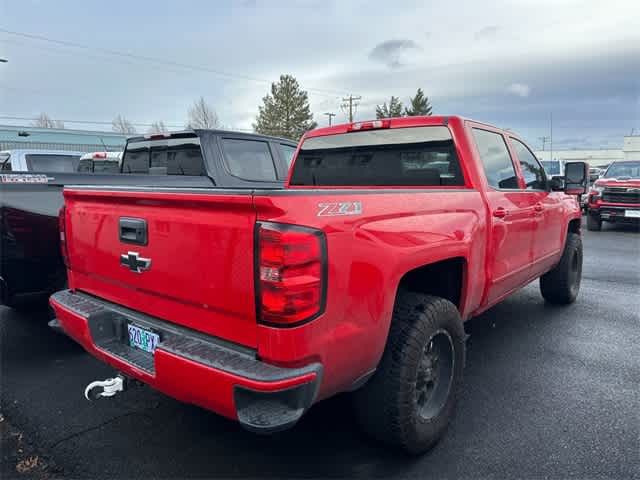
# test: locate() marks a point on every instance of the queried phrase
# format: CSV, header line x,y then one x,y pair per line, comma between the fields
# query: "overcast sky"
x,y
511,63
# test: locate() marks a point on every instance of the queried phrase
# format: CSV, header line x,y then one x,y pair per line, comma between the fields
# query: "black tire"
x,y
594,224
561,285
426,344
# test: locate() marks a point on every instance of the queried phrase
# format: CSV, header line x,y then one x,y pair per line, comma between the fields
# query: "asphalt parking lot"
x,y
549,392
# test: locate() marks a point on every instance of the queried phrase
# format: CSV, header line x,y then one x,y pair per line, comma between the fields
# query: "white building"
x,y
631,147
595,158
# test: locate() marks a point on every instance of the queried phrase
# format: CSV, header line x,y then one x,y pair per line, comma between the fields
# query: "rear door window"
x,y
498,167
249,159
44,162
173,156
415,156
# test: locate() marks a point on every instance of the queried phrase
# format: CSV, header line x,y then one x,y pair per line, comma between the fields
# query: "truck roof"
x,y
199,131
400,122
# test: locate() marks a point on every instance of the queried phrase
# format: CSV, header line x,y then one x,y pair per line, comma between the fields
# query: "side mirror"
x,y
557,183
576,178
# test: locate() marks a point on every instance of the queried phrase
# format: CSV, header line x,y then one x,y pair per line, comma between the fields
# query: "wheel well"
x,y
574,225
441,279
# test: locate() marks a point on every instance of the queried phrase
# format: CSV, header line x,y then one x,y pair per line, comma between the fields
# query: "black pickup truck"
x,y
31,266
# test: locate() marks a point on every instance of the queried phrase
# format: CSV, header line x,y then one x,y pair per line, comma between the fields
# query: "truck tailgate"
x,y
192,266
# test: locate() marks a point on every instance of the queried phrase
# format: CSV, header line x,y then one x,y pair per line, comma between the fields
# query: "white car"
x,y
23,160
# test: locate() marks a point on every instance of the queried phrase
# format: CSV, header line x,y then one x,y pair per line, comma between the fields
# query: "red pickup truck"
x,y
357,276
615,196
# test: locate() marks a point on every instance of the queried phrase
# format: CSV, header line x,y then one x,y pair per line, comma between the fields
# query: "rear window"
x,y
88,165
172,156
45,162
249,159
416,156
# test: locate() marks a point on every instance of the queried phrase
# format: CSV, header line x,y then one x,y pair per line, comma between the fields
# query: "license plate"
x,y
632,213
142,339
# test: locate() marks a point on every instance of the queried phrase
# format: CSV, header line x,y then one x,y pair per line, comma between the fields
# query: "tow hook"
x,y
105,388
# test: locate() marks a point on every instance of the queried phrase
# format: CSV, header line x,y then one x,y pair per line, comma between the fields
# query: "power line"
x,y
86,122
146,58
104,122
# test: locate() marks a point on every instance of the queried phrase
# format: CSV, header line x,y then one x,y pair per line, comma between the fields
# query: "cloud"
x,y
520,89
490,31
393,52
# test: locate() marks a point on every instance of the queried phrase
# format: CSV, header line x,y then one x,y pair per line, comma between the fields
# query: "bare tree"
x,y
158,127
202,115
122,125
45,121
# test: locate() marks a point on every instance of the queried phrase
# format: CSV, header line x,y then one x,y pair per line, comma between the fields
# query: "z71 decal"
x,y
335,209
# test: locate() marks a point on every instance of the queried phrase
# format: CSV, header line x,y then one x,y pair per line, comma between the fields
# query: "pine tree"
x,y
419,105
285,112
394,109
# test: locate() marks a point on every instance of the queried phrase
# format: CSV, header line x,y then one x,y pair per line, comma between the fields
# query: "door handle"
x,y
538,207
500,212
133,230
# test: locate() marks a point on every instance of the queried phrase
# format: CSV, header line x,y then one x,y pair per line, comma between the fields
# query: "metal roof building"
x,y
13,137
596,158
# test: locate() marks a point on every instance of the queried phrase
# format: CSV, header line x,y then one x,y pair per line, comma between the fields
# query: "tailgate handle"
x,y
133,230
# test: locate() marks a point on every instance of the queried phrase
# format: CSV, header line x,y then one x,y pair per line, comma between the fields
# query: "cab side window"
x,y
532,171
496,160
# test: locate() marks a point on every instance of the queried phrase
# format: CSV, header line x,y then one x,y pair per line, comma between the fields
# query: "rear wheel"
x,y
594,223
562,284
411,398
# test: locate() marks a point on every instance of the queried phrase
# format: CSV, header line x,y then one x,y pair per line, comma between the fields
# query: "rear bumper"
x,y
189,366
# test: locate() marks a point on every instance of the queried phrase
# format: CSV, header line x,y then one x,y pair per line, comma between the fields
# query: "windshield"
x,y
45,162
419,156
551,167
623,169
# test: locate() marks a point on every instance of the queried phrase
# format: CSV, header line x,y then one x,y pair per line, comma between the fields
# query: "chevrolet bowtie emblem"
x,y
134,262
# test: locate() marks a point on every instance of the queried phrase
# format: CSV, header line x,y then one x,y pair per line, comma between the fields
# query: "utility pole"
x,y
351,103
330,115
544,141
551,134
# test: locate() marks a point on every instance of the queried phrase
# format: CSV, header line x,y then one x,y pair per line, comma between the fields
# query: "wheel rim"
x,y
434,375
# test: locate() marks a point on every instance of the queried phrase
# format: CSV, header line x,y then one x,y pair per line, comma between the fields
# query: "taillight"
x,y
291,273
62,228
370,125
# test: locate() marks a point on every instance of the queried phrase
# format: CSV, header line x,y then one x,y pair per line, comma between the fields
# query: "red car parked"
x,y
358,276
615,197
